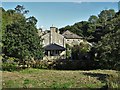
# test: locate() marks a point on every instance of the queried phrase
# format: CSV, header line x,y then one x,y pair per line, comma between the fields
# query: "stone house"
x,y
54,43
71,38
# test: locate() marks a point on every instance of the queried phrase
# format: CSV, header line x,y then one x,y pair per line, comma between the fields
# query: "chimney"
x,y
52,34
52,29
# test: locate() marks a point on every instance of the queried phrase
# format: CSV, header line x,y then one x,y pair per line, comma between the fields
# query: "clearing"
x,y
40,78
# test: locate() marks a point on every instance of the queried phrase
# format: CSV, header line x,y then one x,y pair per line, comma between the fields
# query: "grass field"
x,y
39,78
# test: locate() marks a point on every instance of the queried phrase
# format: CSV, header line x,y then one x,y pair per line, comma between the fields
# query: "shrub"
x,y
7,59
12,64
9,67
9,63
72,65
41,64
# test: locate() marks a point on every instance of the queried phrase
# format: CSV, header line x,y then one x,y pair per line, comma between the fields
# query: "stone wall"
x,y
46,39
53,37
72,42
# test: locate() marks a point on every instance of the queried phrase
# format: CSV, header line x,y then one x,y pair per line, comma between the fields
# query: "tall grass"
x,y
113,81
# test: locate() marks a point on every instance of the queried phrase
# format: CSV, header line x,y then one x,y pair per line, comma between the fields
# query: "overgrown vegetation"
x,y
37,78
22,48
21,45
103,32
20,38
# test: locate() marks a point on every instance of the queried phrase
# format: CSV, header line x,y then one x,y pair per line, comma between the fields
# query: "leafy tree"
x,y
109,51
104,31
95,27
21,10
93,19
106,15
21,38
81,50
109,46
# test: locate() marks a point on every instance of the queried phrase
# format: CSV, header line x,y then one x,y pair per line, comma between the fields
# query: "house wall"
x,y
53,37
73,41
58,39
46,39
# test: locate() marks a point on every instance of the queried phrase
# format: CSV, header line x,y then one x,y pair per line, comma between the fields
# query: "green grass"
x,y
40,78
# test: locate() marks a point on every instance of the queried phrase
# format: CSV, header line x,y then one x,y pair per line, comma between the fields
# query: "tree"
x,y
93,19
21,38
109,46
109,51
104,31
21,10
81,50
32,20
106,15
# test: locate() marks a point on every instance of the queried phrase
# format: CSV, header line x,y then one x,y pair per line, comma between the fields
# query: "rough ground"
x,y
39,78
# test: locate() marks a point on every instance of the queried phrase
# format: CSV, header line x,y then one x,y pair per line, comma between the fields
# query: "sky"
x,y
61,14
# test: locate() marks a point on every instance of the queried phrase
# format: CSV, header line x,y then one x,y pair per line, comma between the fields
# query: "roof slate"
x,y
69,35
54,47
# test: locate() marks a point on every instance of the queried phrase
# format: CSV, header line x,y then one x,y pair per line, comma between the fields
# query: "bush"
x,y
41,64
11,64
9,67
7,59
72,65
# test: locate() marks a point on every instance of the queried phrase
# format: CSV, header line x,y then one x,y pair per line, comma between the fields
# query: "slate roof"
x,y
69,35
54,47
